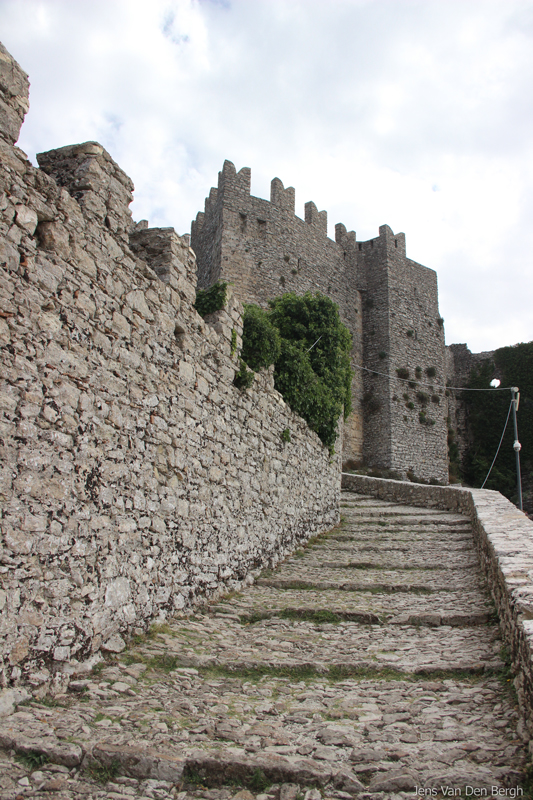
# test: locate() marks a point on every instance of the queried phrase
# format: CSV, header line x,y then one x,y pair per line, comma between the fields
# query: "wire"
x,y
317,341
498,450
422,383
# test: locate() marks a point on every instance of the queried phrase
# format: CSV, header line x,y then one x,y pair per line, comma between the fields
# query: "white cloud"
x,y
410,112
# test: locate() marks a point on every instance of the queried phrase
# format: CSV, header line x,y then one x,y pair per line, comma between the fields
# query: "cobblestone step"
x,y
472,607
377,680
383,579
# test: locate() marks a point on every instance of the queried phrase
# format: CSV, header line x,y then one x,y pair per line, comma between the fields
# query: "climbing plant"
x,y
261,344
311,352
210,300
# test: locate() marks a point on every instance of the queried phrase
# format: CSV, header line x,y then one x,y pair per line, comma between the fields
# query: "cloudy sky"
x,y
414,113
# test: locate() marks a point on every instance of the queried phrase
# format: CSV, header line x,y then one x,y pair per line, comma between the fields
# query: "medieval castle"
x,y
134,476
388,302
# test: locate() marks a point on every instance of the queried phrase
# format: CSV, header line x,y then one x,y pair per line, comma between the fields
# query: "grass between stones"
x,y
153,631
341,672
255,781
102,773
33,759
319,616
386,567
380,588
161,662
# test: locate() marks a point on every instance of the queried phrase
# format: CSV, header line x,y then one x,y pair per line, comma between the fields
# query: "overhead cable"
x,y
433,385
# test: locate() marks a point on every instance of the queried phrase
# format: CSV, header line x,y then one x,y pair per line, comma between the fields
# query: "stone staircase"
x,y
368,664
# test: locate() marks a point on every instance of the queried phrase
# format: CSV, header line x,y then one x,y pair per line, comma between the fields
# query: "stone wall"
x,y
136,479
504,541
388,302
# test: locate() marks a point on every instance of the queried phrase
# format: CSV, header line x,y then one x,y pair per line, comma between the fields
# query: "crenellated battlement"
x,y
284,198
346,239
315,217
231,181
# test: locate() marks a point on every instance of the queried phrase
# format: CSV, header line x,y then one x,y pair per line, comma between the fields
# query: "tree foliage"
x,y
487,412
310,347
261,344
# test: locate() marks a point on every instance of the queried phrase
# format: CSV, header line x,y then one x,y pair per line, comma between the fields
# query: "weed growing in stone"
x,y
132,658
255,616
191,775
258,782
102,773
506,674
163,663
320,616
162,627
32,759
51,702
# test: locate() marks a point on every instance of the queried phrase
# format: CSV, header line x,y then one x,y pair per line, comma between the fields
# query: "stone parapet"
x,y
100,186
504,541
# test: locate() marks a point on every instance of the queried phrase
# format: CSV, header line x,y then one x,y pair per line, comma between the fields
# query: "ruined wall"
x,y
389,303
135,477
264,250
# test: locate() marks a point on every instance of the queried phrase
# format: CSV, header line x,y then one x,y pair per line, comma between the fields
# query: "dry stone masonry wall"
x,y
135,477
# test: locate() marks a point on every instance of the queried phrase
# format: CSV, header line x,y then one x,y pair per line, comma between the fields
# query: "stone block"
x,y
10,698
26,218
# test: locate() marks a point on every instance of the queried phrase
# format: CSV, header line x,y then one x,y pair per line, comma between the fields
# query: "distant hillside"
x,y
486,417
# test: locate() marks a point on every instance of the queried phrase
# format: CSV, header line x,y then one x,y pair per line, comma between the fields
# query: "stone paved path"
x,y
366,665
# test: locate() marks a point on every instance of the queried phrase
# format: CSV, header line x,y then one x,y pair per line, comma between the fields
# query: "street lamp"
x,y
515,400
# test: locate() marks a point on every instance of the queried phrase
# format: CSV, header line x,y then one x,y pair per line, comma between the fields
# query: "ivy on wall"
x,y
261,343
305,339
210,300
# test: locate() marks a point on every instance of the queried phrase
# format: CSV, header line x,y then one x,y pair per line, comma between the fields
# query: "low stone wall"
x,y
135,479
504,540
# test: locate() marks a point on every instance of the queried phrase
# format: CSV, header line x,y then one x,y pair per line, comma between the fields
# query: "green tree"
x,y
487,412
261,344
312,366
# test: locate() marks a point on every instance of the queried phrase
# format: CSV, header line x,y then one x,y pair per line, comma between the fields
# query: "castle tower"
x,y
264,250
405,412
